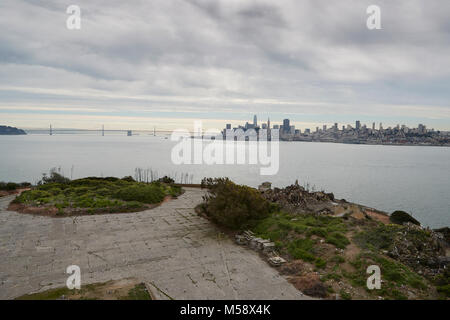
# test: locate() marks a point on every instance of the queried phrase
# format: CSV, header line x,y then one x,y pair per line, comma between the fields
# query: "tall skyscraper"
x,y
358,124
255,122
422,128
286,125
268,123
373,126
292,129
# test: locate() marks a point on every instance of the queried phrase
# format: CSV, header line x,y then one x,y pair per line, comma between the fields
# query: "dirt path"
x,y
170,248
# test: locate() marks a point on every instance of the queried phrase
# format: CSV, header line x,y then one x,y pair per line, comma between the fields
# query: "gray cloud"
x,y
307,58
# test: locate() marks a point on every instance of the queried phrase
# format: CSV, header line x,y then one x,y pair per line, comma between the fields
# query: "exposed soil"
x,y
383,218
123,289
309,284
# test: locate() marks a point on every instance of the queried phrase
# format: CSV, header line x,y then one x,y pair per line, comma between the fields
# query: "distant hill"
x,y
6,130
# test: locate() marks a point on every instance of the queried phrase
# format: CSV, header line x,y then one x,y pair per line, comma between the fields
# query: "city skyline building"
x,y
360,134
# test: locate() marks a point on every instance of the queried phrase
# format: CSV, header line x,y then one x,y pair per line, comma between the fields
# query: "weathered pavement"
x,y
170,248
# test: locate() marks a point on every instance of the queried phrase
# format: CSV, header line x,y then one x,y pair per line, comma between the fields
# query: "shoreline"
x,y
208,139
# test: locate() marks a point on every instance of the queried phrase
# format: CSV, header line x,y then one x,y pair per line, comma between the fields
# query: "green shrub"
x,y
394,273
11,186
142,193
401,217
234,206
174,191
32,195
345,295
133,205
104,191
444,290
54,191
379,238
320,263
98,194
338,239
321,232
53,177
302,249
338,259
166,179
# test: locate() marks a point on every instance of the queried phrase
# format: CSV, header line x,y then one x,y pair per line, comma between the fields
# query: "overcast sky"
x,y
139,64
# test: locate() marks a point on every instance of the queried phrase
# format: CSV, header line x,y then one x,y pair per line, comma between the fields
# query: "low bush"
x,y
11,186
302,249
395,274
338,239
167,180
97,195
401,217
53,177
142,193
234,206
379,238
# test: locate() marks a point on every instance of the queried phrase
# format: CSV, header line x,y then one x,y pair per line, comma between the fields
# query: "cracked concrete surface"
x,y
174,251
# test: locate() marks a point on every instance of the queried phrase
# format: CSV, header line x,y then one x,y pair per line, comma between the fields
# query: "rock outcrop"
x,y
297,199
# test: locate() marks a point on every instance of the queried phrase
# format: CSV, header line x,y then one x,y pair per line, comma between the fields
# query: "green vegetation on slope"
x,y
307,238
414,248
327,254
301,236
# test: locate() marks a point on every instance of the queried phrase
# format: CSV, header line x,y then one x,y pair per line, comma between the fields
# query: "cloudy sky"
x,y
138,64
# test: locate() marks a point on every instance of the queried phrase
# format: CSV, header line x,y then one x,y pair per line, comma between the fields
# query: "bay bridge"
x,y
101,131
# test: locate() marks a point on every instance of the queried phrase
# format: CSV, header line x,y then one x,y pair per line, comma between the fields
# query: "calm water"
x,y
414,179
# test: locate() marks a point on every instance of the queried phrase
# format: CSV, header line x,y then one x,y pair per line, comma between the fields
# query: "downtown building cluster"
x,y
359,134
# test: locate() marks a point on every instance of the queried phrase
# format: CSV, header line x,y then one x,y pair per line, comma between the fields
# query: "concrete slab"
x,y
170,248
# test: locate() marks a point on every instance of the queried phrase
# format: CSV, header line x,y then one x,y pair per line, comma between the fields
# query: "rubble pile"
x,y
425,254
296,199
264,246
